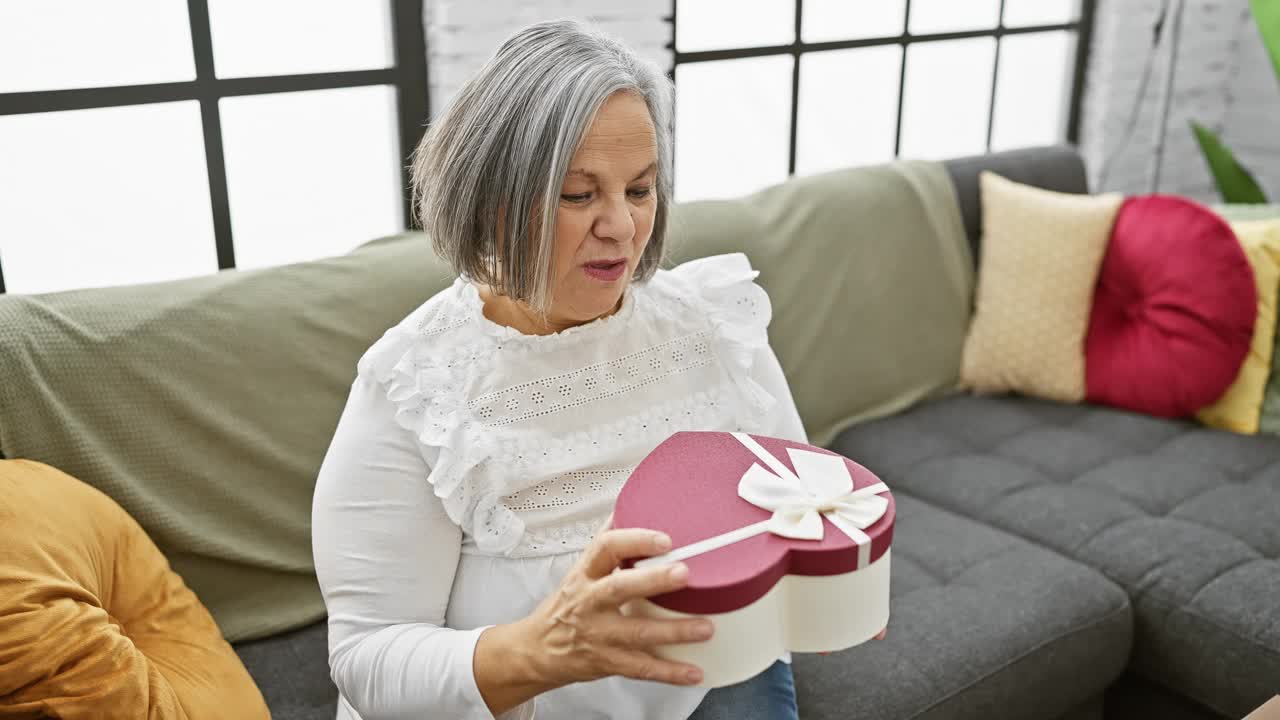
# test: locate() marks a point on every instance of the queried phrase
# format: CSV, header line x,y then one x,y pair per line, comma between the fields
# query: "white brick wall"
x,y
462,34
1223,80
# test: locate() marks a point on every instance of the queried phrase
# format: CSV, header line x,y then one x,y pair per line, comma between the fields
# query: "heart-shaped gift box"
x,y
787,546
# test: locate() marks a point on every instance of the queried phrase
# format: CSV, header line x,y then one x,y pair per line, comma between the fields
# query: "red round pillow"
x,y
1173,312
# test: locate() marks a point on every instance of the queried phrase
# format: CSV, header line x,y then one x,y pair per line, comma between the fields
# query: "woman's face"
x,y
606,212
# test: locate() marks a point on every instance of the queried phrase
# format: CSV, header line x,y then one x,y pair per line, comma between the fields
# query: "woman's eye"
x,y
638,193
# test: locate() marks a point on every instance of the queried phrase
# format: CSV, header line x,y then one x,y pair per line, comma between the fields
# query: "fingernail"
x,y
693,676
704,630
679,571
662,542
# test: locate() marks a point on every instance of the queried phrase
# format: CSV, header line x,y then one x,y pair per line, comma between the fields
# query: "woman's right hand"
x,y
579,632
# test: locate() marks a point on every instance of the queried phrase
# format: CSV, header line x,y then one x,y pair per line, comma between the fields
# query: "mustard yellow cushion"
x,y
1040,256
93,623
1240,407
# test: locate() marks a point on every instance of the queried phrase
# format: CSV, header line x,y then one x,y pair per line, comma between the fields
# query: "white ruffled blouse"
x,y
473,463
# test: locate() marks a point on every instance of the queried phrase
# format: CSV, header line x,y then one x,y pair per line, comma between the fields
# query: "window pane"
x,y
1021,13
60,44
848,108
826,20
946,98
1031,90
311,174
286,37
107,196
715,24
939,16
733,121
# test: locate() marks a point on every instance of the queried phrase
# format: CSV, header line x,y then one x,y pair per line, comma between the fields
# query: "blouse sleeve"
x,y
385,556
783,420
740,311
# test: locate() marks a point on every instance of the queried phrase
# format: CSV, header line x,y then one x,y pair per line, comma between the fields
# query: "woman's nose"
x,y
615,222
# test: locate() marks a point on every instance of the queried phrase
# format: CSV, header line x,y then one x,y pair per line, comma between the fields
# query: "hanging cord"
x,y
1166,100
1157,30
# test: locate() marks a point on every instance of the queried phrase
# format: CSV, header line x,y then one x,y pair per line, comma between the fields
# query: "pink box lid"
x,y
688,488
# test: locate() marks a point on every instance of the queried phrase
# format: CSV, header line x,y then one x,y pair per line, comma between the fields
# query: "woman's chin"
x,y
598,304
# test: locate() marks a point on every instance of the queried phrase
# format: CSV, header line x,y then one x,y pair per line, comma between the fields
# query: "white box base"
x,y
801,613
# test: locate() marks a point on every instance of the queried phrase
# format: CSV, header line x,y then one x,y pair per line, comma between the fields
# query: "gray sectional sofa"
x,y
1050,561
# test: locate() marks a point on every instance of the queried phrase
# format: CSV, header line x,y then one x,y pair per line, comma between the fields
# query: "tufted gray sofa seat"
x,y
984,625
1185,519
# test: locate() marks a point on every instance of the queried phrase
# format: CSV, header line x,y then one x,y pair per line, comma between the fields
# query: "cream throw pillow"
x,y
1040,256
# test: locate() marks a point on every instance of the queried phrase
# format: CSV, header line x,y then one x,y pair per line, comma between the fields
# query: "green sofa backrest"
x,y
870,277
205,406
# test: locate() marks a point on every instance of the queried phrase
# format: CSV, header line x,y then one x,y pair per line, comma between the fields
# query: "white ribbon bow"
x,y
820,487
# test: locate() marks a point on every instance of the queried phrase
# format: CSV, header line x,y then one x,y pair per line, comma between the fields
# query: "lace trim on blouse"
x,y
427,362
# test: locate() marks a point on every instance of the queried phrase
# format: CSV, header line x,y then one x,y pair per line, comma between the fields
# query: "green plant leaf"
x,y
1266,14
1235,184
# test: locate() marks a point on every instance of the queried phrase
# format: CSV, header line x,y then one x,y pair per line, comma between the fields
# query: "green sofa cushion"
x,y
205,406
870,277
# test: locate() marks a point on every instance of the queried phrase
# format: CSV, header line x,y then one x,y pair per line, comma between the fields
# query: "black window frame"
x,y
407,74
1082,26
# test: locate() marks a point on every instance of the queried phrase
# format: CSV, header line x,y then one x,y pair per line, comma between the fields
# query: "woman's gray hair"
x,y
488,174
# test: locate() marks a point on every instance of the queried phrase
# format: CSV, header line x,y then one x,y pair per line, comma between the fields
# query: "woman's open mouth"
x,y
606,270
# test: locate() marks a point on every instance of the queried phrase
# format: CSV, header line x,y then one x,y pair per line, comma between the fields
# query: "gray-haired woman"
x,y
460,513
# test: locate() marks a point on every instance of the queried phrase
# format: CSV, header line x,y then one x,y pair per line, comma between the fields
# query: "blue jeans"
x,y
771,695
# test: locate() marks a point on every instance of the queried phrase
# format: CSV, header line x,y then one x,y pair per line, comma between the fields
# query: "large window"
x,y
771,88
152,139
